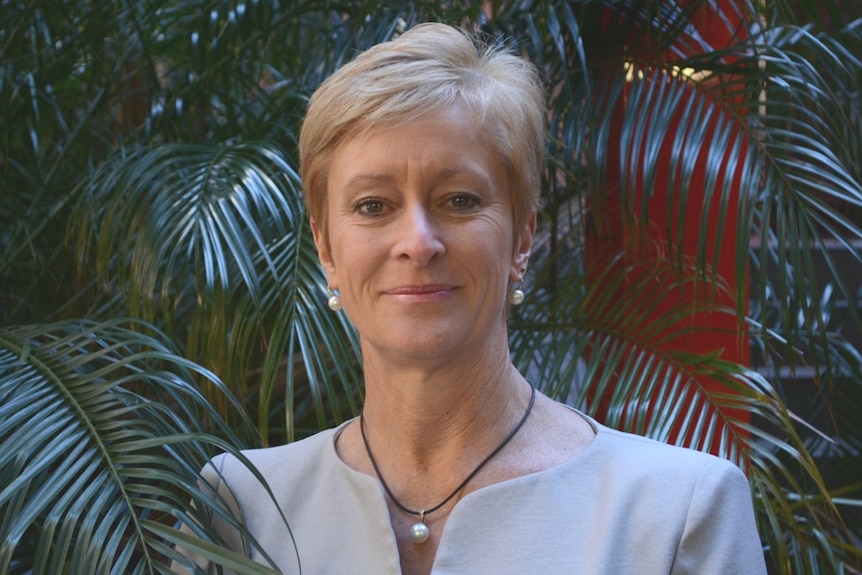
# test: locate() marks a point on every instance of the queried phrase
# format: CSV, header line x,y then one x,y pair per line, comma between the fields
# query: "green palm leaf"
x,y
217,246
592,347
210,243
776,105
102,434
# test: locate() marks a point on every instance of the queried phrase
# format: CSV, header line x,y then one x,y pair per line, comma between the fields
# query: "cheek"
x,y
346,242
356,258
498,239
489,252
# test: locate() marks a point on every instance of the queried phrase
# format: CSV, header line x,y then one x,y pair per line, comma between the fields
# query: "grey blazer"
x,y
625,506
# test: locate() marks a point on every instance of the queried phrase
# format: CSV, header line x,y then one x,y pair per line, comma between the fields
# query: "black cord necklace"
x,y
419,531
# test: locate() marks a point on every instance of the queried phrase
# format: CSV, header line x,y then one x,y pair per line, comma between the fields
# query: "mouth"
x,y
426,292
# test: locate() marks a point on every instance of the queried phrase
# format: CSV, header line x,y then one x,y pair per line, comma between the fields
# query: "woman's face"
x,y
421,245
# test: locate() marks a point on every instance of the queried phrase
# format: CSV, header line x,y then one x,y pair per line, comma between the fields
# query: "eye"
x,y
464,201
369,207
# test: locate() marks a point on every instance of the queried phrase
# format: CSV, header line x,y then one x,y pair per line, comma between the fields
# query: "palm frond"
x,y
653,121
591,345
218,248
209,241
103,435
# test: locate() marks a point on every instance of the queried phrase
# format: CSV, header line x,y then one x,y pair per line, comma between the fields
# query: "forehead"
x,y
443,139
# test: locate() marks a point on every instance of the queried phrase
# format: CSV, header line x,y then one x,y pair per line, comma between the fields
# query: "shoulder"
x,y
705,501
696,478
658,478
630,456
636,452
283,461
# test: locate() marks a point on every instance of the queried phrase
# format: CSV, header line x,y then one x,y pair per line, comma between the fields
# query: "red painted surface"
x,y
650,252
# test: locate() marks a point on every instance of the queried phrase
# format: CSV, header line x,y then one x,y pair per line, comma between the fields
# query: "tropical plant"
x,y
148,157
103,438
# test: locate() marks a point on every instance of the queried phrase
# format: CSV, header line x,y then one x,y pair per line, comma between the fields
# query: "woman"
x,y
421,165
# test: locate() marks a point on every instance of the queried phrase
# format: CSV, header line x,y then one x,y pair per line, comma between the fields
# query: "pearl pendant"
x,y
420,532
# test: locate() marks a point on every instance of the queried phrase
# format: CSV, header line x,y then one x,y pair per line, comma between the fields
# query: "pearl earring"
x,y
334,299
516,295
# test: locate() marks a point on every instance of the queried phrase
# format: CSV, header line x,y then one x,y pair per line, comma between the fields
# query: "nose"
x,y
419,237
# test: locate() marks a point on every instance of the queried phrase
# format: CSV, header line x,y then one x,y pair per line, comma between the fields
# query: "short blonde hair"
x,y
429,68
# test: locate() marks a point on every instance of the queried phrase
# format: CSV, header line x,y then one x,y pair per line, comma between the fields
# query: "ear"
x,y
524,243
322,245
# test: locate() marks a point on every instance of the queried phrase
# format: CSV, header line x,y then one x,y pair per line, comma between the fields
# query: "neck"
x,y
432,419
422,535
